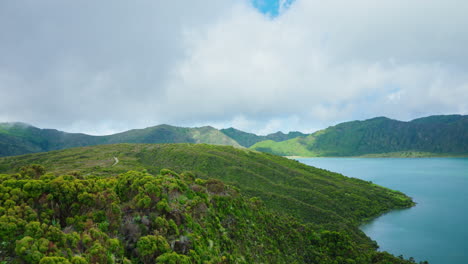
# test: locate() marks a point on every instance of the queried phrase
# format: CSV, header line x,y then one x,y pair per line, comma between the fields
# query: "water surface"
x,y
436,229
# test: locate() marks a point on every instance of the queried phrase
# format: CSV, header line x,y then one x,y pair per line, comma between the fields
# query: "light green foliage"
x,y
78,260
34,230
163,206
173,258
31,250
174,230
149,247
54,260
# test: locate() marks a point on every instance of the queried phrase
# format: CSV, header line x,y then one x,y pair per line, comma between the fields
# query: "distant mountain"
x,y
381,136
20,138
249,139
172,134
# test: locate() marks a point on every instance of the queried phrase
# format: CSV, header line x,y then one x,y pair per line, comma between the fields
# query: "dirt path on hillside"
x,y
116,161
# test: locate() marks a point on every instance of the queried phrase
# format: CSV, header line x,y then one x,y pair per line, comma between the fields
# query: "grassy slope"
x,y
431,136
310,194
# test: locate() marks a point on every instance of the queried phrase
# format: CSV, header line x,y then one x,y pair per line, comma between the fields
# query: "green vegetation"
x,y
377,137
248,139
327,199
309,193
171,134
292,147
380,137
79,208
19,138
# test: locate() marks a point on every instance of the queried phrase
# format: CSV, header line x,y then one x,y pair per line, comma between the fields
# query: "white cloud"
x,y
333,60
113,66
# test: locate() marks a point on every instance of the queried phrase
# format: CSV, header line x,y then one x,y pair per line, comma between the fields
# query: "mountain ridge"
x,y
17,138
442,135
438,135
21,138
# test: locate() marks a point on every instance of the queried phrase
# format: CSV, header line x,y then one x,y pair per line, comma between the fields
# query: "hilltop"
x,y
20,138
381,136
197,205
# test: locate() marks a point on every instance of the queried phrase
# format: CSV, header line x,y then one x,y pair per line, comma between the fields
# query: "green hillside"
x,y
430,136
137,217
326,200
19,138
248,139
377,137
172,134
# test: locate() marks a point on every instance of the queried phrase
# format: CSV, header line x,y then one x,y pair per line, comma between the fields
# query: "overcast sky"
x,y
106,66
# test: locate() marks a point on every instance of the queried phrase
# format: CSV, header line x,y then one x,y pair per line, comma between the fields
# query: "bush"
x,y
173,258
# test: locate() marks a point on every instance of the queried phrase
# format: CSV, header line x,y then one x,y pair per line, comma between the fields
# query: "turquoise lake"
x,y
436,229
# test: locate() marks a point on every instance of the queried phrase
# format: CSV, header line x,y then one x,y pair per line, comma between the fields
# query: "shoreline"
x,y
380,156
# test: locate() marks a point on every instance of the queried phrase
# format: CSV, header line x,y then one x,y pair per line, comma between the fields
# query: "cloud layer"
x,y
102,66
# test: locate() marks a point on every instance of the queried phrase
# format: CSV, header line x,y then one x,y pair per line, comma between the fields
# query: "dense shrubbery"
x,y
310,194
137,217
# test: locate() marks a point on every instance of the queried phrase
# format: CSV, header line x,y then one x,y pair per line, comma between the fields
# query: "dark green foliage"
x,y
248,139
430,136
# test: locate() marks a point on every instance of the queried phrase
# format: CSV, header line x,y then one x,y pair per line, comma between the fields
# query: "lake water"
x,y
436,229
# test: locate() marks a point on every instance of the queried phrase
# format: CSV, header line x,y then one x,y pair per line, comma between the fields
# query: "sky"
x,y
261,66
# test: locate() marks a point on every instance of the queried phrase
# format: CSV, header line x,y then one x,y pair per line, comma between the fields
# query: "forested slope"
x,y
90,209
430,136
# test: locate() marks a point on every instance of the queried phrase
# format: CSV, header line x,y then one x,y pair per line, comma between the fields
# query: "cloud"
x,y
87,62
327,62
102,67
